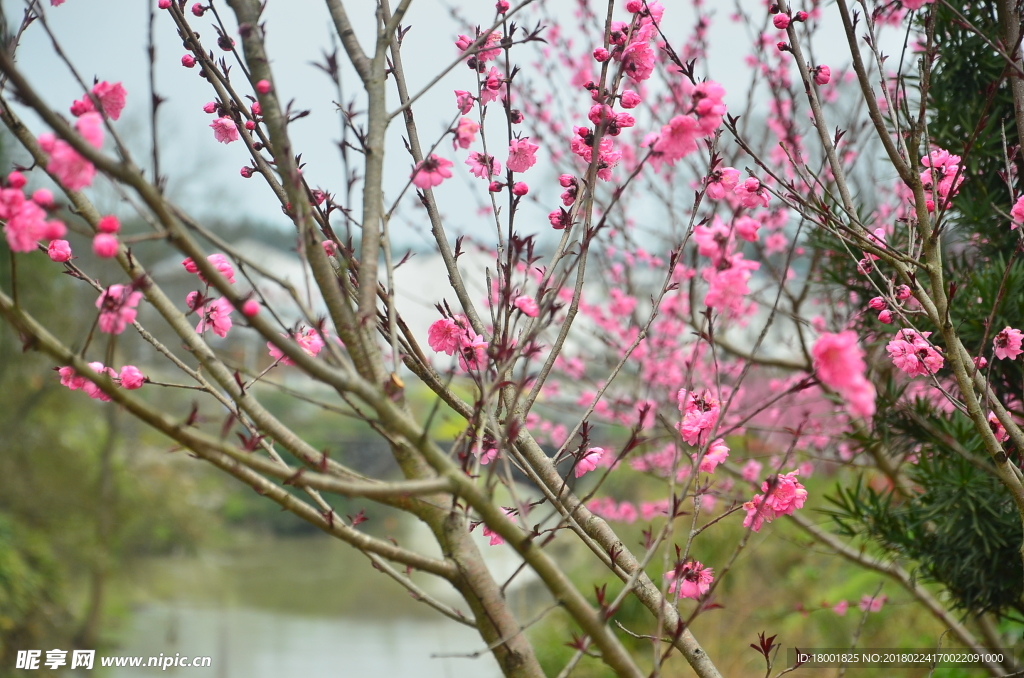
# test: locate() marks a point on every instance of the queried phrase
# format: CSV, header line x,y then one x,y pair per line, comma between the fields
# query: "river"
x,y
301,607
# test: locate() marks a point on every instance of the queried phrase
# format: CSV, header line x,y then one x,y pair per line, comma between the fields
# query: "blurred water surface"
x,y
250,643
289,608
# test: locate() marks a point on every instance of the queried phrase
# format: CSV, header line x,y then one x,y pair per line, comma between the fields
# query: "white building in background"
x,y
421,282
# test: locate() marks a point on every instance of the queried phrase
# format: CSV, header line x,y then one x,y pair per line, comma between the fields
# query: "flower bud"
x,y
43,197
108,224
131,377
54,230
629,99
250,308
105,245
59,251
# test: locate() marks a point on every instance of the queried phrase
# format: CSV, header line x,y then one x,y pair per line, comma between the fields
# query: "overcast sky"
x,y
106,39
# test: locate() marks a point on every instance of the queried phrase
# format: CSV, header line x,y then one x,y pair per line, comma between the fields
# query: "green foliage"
x,y
58,451
992,281
971,103
961,527
31,591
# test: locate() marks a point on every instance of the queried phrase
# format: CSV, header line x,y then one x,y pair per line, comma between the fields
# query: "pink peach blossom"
x,y
721,182
473,352
483,166
309,341
105,245
1007,343
997,428
431,171
911,352
94,391
717,453
117,308
822,74
71,379
522,155
678,138
527,305
700,414
72,170
215,316
225,130
219,261
446,335
783,495
59,251
108,224
629,99
131,377
751,470
74,381
690,579
588,462
26,225
465,133
90,126
872,603
1017,213
787,496
839,364
752,194
746,228
112,98
464,100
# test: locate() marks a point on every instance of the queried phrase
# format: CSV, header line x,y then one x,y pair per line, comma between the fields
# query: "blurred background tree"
x,y
74,507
